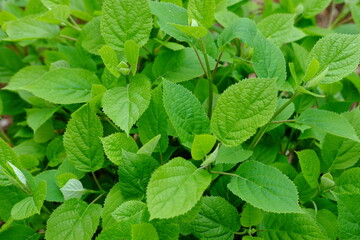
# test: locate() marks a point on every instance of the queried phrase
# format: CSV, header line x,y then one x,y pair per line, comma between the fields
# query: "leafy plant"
x,y
179,119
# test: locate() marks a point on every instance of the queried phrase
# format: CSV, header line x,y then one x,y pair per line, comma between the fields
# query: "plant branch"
x,y
97,182
225,173
68,37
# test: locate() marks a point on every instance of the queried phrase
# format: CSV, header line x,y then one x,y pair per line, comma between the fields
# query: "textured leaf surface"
x,y
291,227
265,187
202,11
125,105
154,121
250,216
179,66
232,155
64,85
185,112
202,145
72,189
349,181
243,28
73,220
349,216
132,212
134,173
114,145
310,166
82,140
217,219
37,117
339,53
53,193
124,20
7,154
313,8
149,147
143,231
280,28
26,76
113,200
328,122
108,55
269,62
175,188
91,38
242,108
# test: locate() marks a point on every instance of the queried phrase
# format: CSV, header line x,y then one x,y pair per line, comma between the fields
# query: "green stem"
x,y
75,25
200,61
282,121
45,209
5,137
68,37
97,198
225,173
7,225
97,182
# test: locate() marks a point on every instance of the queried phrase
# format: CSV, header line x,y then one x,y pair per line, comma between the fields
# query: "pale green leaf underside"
x,y
124,20
265,187
175,188
73,220
339,53
64,85
242,108
82,140
125,105
72,189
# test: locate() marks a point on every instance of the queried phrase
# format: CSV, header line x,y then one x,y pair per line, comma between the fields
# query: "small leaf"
x,y
242,108
113,200
265,187
108,55
73,220
72,189
250,216
192,31
131,50
125,105
143,231
175,188
132,212
202,145
232,155
149,147
37,117
310,166
202,11
312,8
243,28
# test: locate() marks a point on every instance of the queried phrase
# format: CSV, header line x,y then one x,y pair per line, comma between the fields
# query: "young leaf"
x,y
243,28
339,53
64,85
124,20
179,66
242,108
30,205
72,189
74,219
175,188
269,62
131,49
328,122
250,216
192,31
232,155
349,216
202,11
185,112
280,28
154,121
217,219
313,8
291,226
131,212
149,147
108,55
7,154
265,187
114,145
134,173
143,231
38,116
82,140
202,145
310,166
125,105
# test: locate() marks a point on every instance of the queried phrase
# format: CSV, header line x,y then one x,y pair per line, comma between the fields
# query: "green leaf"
x,y
328,122
113,200
328,223
244,28
134,173
202,11
269,62
312,8
192,31
82,140
312,69
232,155
124,20
167,229
55,152
30,205
291,226
7,154
338,152
20,232
10,63
154,121
64,85
37,117
349,216
73,220
217,219
242,108
339,53
114,145
280,28
108,55
56,15
185,112
250,216
310,166
25,76
149,147
179,66
265,187
349,182
72,189
53,193
125,105
91,39
10,195
202,145
28,28
131,212
132,49
175,188
143,231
